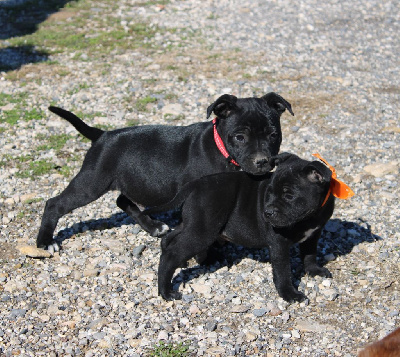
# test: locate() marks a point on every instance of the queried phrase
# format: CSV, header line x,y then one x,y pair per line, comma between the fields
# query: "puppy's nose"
x,y
270,212
261,162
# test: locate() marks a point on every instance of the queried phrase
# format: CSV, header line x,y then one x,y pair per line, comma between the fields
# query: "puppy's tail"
x,y
176,202
87,131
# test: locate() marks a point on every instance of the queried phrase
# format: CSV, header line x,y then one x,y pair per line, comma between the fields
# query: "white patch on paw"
x,y
159,232
164,229
52,248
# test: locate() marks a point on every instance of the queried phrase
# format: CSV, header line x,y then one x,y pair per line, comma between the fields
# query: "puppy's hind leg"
x,y
177,248
79,192
152,226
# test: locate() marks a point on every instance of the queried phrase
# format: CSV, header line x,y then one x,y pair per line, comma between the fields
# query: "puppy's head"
x,y
250,129
296,191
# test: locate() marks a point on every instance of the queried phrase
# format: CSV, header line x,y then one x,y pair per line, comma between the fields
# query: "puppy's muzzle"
x,y
261,163
270,212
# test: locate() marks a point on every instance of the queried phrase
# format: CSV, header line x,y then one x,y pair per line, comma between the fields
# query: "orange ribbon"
x,y
338,188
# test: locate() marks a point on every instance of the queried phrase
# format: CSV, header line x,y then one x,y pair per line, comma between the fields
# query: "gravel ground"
x,y
337,62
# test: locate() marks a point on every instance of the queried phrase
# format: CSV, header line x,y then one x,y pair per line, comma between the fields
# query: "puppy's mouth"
x,y
283,221
258,169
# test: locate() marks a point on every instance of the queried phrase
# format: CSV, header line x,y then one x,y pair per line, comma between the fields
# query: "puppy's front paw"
x,y
159,229
51,247
292,295
317,270
171,295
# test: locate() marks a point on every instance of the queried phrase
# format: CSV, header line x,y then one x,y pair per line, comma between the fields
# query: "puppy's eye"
x,y
288,196
273,135
240,137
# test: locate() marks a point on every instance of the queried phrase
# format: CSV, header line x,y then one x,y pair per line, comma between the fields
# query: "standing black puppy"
x,y
290,205
149,164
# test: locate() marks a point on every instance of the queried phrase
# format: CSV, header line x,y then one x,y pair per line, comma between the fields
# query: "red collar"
x,y
220,144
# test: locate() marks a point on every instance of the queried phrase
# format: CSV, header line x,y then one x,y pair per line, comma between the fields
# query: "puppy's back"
x,y
389,346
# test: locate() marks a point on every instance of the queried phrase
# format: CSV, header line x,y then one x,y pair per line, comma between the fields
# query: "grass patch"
x,y
56,142
141,104
13,115
39,168
170,350
18,111
10,116
36,168
33,200
78,88
133,122
153,3
12,98
171,117
91,33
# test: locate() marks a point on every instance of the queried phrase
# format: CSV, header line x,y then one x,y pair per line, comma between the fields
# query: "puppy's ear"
x,y
317,172
278,159
278,103
223,106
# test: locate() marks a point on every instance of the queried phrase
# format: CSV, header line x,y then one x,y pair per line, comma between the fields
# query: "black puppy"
x,y
290,205
149,164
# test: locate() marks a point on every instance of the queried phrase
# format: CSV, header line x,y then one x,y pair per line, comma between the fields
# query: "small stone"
x,y
330,294
217,350
295,334
236,301
98,323
104,344
137,251
201,288
275,311
187,297
259,312
285,316
240,309
163,335
70,324
394,313
172,109
90,272
17,313
332,226
99,335
33,252
211,325
326,283
382,169
309,326
44,318
251,336
329,257
148,277
193,309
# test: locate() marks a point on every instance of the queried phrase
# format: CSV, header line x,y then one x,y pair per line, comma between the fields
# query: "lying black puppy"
x,y
290,205
149,164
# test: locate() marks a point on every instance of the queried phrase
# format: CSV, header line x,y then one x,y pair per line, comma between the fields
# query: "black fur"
x,y
275,211
149,164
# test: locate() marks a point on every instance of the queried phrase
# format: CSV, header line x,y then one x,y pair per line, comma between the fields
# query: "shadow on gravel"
x,y
12,58
116,220
21,18
338,239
